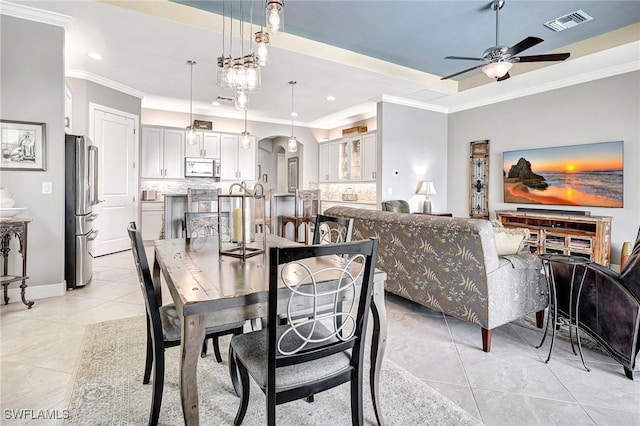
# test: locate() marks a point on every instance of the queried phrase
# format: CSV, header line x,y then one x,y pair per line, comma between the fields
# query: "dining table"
x,y
228,289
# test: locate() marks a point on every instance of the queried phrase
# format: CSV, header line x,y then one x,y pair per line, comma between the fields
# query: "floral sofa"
x,y
452,264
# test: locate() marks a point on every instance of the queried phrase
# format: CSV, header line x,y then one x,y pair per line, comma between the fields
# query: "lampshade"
x,y
426,188
497,69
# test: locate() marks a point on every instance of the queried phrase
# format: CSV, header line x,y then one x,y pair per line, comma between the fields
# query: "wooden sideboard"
x,y
586,236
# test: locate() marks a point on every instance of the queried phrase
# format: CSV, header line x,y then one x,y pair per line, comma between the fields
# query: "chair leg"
x,y
486,339
356,397
244,397
216,349
148,362
233,372
203,354
158,386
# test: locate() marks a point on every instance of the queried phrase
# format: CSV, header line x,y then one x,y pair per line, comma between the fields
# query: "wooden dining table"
x,y
228,289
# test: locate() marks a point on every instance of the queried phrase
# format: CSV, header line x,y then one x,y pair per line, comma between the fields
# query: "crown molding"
x,y
85,75
37,15
559,84
412,103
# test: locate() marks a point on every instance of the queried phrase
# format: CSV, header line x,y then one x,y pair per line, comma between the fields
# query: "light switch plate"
x,y
47,187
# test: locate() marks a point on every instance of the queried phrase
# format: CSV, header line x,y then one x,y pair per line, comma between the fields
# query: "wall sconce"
x,y
426,188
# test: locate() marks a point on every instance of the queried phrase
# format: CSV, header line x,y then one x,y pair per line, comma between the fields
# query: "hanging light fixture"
x,y
191,134
262,53
274,14
245,137
292,145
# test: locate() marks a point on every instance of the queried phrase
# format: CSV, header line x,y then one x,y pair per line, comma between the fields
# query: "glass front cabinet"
x,y
349,159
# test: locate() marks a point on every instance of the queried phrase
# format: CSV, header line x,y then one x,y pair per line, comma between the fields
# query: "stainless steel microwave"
x,y
201,167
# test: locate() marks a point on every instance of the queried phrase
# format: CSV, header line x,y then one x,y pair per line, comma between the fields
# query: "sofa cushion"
x,y
509,240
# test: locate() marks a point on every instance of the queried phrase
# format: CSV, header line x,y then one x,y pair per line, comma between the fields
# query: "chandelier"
x,y
292,145
239,70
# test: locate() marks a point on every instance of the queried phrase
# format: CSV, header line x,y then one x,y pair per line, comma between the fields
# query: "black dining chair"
x,y
163,324
311,354
329,229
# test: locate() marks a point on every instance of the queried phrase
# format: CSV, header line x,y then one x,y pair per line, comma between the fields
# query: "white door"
x,y
114,135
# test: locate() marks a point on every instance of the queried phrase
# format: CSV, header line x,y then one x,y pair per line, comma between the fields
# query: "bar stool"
x,y
307,206
270,213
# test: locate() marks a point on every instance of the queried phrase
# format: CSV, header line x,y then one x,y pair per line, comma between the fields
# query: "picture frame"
x,y
292,175
22,145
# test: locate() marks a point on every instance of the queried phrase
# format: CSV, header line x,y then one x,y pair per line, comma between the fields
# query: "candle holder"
x,y
237,212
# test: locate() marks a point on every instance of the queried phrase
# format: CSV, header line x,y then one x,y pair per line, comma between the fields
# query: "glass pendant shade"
x,y
292,145
497,69
262,52
192,138
274,12
245,140
242,100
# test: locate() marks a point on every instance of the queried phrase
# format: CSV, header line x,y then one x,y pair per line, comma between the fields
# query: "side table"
x,y
10,227
549,261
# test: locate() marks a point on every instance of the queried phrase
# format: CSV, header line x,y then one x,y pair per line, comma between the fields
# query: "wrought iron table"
x,y
9,228
571,319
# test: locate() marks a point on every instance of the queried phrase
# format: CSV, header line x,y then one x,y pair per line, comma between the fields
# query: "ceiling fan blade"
x,y
466,58
523,45
462,72
542,58
504,77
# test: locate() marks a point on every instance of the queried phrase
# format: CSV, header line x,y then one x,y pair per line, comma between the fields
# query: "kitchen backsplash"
x,y
366,192
180,186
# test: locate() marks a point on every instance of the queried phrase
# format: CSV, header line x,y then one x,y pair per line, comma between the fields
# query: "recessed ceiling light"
x,y
95,55
294,114
215,103
331,98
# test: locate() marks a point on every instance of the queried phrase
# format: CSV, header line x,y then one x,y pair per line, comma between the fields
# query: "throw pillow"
x,y
508,240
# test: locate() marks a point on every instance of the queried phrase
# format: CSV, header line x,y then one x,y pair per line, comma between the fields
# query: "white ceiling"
x,y
145,46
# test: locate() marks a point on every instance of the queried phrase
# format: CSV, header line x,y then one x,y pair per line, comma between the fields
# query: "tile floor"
x,y
509,386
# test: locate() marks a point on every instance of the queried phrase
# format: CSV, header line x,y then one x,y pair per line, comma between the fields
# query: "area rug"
x,y
108,390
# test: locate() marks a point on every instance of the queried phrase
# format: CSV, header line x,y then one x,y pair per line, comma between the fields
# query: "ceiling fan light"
x,y
497,69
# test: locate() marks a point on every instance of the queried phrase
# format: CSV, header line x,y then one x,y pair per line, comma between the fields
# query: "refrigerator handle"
x,y
93,235
93,174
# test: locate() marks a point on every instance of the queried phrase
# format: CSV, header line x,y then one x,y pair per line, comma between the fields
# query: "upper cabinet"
x,y
237,163
207,145
161,153
350,159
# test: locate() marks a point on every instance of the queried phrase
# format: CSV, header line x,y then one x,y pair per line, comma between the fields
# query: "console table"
x,y
10,227
571,235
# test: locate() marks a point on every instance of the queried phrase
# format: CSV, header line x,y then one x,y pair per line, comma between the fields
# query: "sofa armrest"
x,y
523,261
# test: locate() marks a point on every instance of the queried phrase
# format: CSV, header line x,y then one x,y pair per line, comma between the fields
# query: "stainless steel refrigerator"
x,y
81,195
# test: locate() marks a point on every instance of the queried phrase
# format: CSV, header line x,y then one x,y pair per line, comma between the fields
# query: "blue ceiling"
x,y
419,34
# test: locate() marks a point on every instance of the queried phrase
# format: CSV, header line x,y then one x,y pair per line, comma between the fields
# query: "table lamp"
x,y
426,188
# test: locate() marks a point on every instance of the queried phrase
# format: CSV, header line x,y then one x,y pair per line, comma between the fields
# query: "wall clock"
x,y
479,179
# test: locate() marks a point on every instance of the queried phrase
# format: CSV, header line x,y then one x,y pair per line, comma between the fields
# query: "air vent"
x,y
224,100
568,21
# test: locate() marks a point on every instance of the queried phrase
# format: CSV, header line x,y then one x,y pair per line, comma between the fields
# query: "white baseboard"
x,y
36,292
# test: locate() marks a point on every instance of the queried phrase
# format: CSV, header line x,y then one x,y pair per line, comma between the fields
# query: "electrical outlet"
x,y
389,190
47,187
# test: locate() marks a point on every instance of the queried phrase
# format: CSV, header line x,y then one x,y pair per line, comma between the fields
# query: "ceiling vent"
x,y
568,21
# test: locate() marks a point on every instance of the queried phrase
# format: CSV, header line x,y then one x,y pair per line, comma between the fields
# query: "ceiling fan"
x,y
498,60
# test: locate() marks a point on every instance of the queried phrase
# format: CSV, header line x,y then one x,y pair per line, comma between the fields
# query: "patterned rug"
x,y
108,390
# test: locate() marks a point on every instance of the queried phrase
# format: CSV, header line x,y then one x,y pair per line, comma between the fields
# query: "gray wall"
x,y
32,87
598,111
412,142
85,92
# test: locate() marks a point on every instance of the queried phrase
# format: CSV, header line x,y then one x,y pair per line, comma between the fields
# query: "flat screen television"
x,y
577,175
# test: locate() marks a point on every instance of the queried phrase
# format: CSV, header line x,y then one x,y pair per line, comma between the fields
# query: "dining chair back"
x,y
269,213
163,324
329,229
306,207
315,352
202,200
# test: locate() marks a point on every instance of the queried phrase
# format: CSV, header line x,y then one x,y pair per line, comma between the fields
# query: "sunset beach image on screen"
x,y
576,175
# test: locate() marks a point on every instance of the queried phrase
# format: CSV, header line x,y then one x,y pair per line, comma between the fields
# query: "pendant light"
x,y
245,137
191,134
292,145
274,12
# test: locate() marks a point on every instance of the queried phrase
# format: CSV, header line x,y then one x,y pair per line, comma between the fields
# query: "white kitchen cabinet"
x,y
237,163
369,157
151,220
207,145
328,166
161,154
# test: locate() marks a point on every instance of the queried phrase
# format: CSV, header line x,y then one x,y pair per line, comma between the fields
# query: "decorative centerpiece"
x,y
237,211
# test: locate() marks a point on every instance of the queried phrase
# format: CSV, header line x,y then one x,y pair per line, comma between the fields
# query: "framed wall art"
x,y
292,181
23,145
